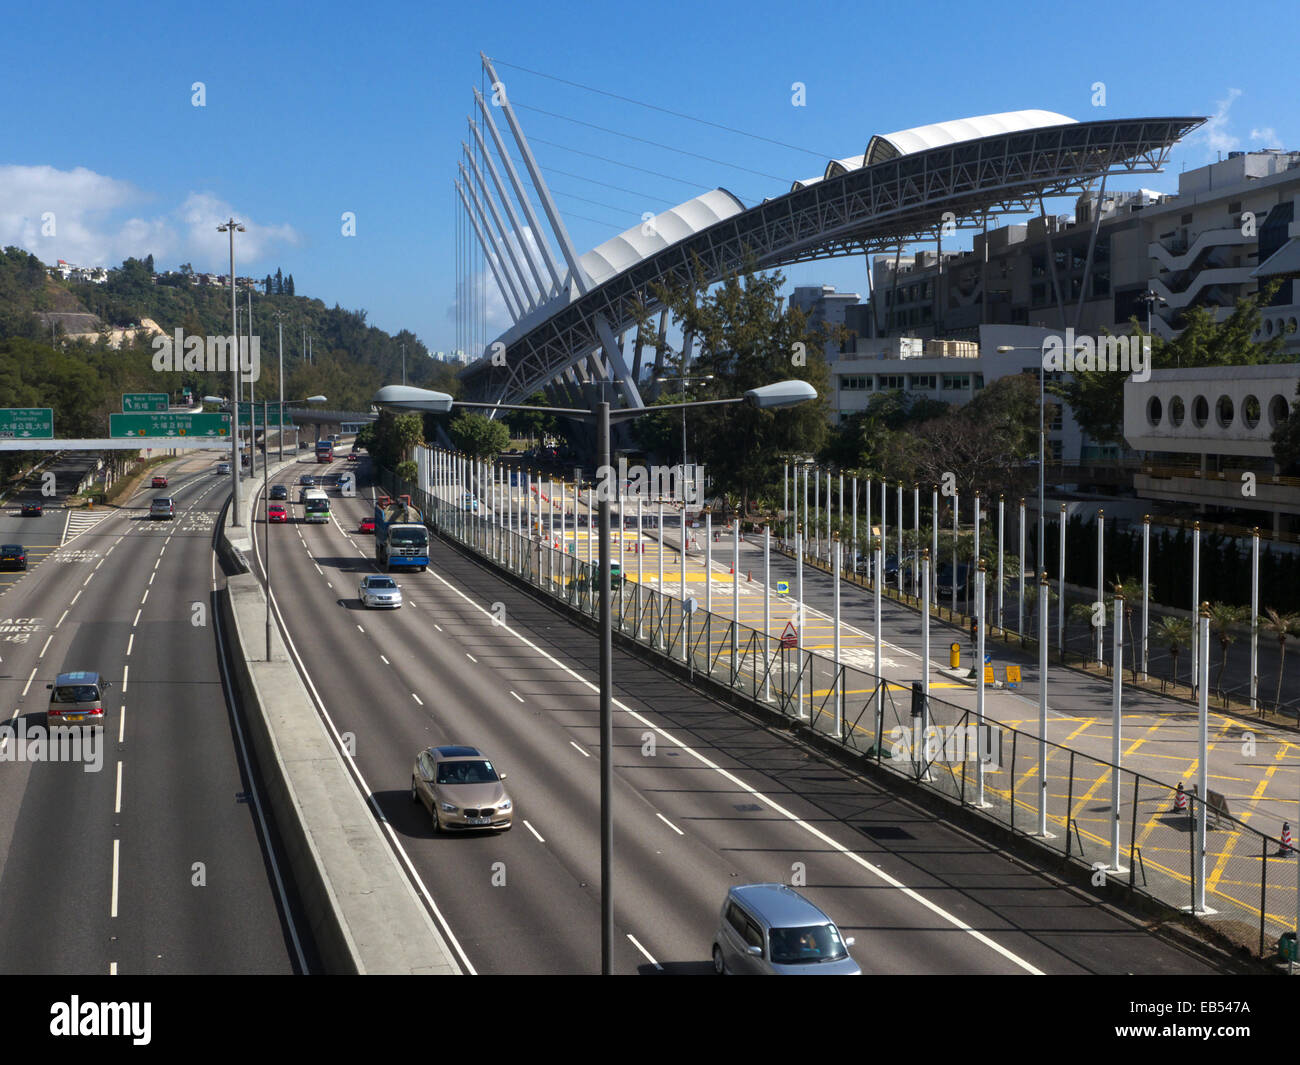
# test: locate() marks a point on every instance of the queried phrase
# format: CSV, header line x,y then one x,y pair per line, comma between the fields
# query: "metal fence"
x,y
1249,879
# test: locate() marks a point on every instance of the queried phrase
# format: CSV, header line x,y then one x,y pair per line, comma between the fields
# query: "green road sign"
x,y
144,402
128,425
34,423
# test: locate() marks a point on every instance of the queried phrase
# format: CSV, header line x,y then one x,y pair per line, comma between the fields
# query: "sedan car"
x,y
461,790
276,513
32,510
279,491
223,467
367,525
13,556
307,480
381,591
160,482
162,507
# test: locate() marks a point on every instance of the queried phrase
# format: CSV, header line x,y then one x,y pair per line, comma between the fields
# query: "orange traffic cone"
x,y
1286,850
1180,800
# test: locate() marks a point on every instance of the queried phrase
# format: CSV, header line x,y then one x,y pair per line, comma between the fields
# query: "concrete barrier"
x,y
364,914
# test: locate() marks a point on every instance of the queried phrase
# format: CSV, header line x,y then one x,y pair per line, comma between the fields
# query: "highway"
x,y
157,863
704,797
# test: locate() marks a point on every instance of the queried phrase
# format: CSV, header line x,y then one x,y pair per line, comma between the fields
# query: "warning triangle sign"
x,y
790,637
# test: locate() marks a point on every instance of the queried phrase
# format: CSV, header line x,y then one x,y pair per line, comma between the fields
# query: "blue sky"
x,y
314,110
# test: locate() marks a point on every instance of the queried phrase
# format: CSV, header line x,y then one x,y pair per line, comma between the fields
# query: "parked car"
x,y
378,590
162,507
76,699
276,513
160,482
13,556
461,789
945,579
32,510
770,929
279,491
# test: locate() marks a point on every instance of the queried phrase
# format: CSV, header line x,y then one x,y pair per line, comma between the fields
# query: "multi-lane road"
x,y
705,798
156,860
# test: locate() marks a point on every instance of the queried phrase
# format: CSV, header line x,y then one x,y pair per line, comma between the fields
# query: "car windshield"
x,y
75,693
382,582
314,505
409,536
800,946
466,773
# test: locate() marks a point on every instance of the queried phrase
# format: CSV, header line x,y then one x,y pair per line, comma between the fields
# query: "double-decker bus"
x,y
324,451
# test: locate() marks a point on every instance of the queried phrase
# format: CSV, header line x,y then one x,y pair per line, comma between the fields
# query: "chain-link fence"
x,y
1245,887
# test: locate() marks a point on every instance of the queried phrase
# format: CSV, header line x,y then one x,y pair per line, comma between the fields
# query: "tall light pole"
x,y
232,227
685,381
279,322
765,397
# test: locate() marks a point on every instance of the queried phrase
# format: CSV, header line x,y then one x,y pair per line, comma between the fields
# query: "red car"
x,y
160,482
367,525
275,512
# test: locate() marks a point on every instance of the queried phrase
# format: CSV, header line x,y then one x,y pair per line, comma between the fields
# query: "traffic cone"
x,y
1180,800
1286,850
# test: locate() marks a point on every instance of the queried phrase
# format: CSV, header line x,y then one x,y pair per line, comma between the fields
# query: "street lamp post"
x,y
685,381
232,227
766,397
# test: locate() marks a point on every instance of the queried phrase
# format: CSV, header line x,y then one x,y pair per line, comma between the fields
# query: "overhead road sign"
x,y
126,426
27,423
144,402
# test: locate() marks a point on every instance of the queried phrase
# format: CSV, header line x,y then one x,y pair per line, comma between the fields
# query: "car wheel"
x,y
719,966
437,825
415,795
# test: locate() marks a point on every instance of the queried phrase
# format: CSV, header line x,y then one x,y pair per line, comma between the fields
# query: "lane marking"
x,y
471,658
520,698
73,601
121,723
669,823
61,617
584,754
125,671
28,684
384,660
644,951
151,577
130,643
146,595
112,968
417,698
113,906
360,629
137,618
47,645
437,626
117,803
533,831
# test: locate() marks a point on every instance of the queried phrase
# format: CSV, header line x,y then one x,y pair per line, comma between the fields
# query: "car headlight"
x,y
505,806
448,807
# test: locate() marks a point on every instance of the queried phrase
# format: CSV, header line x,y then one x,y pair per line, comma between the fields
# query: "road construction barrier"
x,y
1180,800
954,655
1286,850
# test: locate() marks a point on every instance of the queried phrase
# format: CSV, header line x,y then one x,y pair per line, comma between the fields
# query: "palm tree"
x,y
1222,618
1281,626
1173,633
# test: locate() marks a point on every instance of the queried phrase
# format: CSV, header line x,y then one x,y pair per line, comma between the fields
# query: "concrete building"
x,y
826,308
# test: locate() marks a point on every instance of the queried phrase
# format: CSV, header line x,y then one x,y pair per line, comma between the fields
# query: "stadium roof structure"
x,y
902,189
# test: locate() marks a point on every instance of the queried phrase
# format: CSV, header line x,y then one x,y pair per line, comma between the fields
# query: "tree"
x,y
288,285
1175,633
279,282
1222,618
1280,626
746,339
478,436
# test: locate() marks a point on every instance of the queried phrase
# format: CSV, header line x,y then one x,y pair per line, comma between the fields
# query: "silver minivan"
x,y
770,929
76,699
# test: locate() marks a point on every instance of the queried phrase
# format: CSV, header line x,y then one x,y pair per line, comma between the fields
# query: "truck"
x,y
325,450
401,540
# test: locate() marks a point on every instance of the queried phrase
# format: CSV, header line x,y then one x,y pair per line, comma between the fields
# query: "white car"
x,y
378,590
223,468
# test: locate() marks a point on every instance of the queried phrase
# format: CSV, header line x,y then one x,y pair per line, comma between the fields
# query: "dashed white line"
x,y
88,580
113,905
151,577
100,562
146,595
471,658
112,968
642,949
517,696
533,831
61,617
319,570
130,643
117,803
360,629
437,626
121,724
46,647
137,618
29,681
384,660
417,698
669,823
125,671
585,754
73,601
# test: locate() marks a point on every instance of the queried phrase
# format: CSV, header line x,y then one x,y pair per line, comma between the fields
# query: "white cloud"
x,y
498,311
1268,135
1215,133
85,218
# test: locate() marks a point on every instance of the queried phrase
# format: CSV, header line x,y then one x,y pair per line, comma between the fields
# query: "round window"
x,y
1278,409
1250,412
1223,411
1154,410
1176,411
1200,411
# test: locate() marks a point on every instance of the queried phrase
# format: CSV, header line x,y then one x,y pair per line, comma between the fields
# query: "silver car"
x,y
461,789
378,590
162,507
771,929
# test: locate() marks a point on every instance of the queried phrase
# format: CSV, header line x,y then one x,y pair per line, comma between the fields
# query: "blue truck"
x,y
401,539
